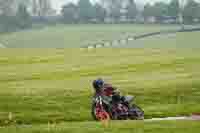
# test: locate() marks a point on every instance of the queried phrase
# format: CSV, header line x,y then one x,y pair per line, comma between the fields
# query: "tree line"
x,y
22,14
118,11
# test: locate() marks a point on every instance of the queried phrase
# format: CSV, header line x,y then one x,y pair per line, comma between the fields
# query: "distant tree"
x,y
35,8
7,16
25,2
191,11
115,14
41,8
198,11
23,18
148,11
107,5
160,9
45,7
99,12
132,10
112,8
14,15
70,13
115,9
174,8
6,7
85,10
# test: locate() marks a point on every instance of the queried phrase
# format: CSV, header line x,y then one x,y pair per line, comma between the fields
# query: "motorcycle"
x,y
121,110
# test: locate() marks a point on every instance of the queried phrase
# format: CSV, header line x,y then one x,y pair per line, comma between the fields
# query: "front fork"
x,y
100,112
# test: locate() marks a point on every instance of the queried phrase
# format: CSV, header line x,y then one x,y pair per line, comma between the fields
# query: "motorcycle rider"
x,y
109,93
111,99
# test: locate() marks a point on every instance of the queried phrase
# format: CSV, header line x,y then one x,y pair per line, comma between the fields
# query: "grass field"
x,y
41,86
114,127
72,36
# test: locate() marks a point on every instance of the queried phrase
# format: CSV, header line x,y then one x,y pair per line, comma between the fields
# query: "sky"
x,y
57,4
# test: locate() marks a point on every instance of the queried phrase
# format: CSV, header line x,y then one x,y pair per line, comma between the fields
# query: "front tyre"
x,y
93,110
99,115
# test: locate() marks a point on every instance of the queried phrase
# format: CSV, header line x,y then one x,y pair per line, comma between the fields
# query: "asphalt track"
x,y
2,46
125,41
192,117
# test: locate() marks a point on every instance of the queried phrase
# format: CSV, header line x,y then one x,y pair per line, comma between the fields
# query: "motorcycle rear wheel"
x,y
136,113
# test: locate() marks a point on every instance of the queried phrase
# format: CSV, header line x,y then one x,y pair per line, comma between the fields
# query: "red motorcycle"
x,y
121,110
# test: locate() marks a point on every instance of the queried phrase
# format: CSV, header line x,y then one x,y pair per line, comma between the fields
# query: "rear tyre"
x,y
136,113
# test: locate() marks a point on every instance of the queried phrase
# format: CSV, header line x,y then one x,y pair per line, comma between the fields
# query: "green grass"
x,y
114,127
73,36
42,85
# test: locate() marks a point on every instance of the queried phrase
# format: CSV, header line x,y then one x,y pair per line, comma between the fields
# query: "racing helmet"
x,y
98,84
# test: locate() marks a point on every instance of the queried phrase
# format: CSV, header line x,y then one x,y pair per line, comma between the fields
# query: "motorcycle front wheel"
x,y
104,113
